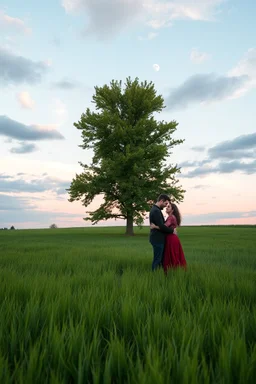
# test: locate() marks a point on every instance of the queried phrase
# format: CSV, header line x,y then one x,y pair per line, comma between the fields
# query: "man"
x,y
157,237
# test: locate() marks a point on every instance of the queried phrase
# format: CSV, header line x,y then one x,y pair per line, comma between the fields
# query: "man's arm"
x,y
153,226
164,228
157,219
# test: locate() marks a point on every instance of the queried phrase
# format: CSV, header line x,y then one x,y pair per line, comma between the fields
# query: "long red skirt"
x,y
173,253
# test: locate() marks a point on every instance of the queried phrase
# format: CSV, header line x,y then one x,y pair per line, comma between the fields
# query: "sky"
x,y
201,55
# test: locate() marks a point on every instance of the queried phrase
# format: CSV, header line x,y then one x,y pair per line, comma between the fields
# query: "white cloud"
x,y
26,100
9,43
150,36
163,13
107,17
158,23
246,66
206,88
71,5
24,148
13,23
46,127
19,131
167,11
198,57
48,62
60,109
156,67
16,69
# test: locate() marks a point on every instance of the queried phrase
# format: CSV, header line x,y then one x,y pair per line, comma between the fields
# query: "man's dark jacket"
x,y
156,217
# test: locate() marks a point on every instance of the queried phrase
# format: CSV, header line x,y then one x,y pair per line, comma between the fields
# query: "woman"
x,y
173,252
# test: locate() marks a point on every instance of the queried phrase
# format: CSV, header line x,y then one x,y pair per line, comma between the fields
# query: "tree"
x,y
12,228
53,226
131,148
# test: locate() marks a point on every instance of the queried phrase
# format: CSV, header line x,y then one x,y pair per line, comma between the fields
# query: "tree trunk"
x,y
129,226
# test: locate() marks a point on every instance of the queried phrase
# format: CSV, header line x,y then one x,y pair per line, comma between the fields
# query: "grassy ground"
x,y
82,306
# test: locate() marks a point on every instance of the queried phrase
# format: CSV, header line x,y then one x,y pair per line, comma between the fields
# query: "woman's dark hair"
x,y
176,213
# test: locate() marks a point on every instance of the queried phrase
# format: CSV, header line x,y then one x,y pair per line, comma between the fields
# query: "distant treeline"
x,y
6,229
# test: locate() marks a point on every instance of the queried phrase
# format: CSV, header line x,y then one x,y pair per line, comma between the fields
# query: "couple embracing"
x,y
167,249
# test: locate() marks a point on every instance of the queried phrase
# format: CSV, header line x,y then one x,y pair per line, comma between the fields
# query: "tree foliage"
x,y
130,164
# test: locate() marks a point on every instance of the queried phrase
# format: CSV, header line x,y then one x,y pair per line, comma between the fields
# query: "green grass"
x,y
82,306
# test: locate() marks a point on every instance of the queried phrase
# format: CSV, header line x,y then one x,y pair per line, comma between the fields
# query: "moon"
x,y
156,67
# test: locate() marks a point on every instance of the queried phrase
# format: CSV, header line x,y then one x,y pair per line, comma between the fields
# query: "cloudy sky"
x,y
201,55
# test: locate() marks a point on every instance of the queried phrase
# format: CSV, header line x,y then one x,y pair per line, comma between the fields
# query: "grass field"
x,y
82,306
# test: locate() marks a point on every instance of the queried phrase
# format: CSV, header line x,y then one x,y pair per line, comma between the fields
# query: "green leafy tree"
x,y
131,150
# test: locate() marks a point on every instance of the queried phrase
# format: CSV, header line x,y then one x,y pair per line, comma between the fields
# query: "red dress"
x,y
173,252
